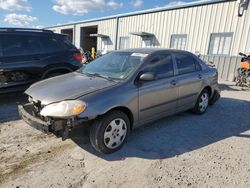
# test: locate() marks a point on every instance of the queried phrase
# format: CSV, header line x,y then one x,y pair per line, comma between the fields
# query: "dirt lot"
x,y
185,150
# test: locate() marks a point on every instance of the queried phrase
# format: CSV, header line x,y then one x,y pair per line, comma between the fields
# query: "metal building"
x,y
217,29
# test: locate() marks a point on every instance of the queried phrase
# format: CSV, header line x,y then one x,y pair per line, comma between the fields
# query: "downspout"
x,y
116,33
74,35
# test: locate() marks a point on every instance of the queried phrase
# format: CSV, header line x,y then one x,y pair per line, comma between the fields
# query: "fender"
x,y
57,69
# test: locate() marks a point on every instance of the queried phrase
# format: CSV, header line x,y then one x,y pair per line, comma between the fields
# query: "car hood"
x,y
66,87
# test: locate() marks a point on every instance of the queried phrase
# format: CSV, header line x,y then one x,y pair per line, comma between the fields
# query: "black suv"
x,y
30,55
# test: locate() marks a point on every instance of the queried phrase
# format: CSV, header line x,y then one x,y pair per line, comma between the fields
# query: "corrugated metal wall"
x,y
106,27
59,29
197,22
226,65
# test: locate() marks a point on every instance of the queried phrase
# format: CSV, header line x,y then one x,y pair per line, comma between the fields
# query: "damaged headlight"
x,y
64,109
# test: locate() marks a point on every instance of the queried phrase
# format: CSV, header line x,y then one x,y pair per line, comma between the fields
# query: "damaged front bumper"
x,y
62,126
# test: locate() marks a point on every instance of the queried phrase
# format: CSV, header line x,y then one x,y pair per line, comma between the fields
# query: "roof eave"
x,y
185,5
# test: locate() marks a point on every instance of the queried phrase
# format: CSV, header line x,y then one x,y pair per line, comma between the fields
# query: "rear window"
x,y
67,44
51,44
186,64
18,45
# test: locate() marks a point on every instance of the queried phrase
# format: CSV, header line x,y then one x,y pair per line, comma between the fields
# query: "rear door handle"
x,y
173,82
199,76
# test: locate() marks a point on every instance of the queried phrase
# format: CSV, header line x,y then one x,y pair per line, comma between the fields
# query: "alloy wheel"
x,y
203,103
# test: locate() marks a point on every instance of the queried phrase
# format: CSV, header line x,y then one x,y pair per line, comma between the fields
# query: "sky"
x,y
44,13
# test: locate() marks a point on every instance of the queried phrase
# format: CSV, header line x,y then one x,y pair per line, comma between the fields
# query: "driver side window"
x,y
162,66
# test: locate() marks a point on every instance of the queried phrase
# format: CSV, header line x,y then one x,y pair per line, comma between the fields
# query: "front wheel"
x,y
109,133
202,102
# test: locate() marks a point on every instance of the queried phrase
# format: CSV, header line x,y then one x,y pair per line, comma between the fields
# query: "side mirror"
x,y
149,76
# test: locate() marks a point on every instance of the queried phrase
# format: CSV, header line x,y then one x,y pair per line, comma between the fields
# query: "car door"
x,y
20,53
57,56
1,62
158,97
189,80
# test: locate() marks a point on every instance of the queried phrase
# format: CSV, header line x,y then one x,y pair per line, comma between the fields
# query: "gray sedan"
x,y
121,91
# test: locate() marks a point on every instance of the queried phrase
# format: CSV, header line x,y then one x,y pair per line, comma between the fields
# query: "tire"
x,y
214,98
107,131
202,103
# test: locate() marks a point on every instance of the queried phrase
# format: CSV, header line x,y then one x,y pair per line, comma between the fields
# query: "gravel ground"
x,y
185,150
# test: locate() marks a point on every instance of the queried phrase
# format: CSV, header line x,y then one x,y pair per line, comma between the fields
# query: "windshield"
x,y
115,65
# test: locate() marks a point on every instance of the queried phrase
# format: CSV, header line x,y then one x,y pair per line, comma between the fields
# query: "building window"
x,y
220,43
178,42
124,43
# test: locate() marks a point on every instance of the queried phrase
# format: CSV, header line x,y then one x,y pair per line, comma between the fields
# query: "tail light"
x,y
78,57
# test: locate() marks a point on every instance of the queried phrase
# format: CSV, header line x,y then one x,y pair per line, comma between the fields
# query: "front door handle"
x,y
173,82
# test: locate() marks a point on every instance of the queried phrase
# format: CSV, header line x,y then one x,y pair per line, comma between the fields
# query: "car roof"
x,y
151,50
28,31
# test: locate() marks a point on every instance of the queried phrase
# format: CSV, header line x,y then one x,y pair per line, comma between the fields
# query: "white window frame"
x,y
177,41
126,43
217,43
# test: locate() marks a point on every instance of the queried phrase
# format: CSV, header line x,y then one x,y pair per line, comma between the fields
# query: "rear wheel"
x,y
109,133
202,102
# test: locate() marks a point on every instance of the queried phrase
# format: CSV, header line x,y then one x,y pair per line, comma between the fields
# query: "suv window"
x,y
186,64
17,45
67,44
50,44
162,66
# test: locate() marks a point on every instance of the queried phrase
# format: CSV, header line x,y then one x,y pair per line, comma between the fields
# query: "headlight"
x,y
64,109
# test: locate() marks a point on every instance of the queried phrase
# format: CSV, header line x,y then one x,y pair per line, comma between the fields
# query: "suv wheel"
x,y
109,133
202,102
